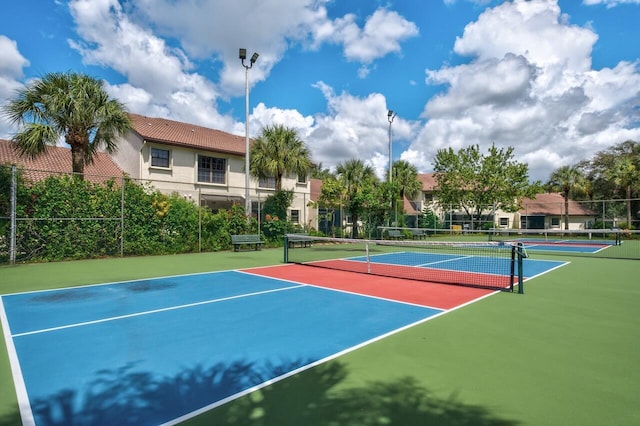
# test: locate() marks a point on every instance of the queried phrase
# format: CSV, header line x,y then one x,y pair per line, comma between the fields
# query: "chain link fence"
x,y
49,216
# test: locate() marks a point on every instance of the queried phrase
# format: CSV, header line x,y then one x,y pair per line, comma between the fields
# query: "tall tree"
x,y
616,170
72,106
405,176
358,180
480,184
569,181
279,151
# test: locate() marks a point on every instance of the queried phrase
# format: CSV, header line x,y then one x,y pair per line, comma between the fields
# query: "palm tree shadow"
x,y
313,398
125,396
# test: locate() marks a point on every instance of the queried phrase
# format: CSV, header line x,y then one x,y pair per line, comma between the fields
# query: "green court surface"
x,y
564,353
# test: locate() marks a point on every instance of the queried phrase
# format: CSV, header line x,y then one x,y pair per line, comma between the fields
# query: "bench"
x,y
301,239
418,234
394,234
246,240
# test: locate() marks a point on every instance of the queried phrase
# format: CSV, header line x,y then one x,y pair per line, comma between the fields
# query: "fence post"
x,y
122,217
12,238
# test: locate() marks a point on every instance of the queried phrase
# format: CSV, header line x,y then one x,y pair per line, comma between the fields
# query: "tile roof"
x,y
188,135
428,181
316,189
57,159
553,204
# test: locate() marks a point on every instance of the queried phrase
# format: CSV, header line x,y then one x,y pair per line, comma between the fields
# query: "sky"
x,y
557,80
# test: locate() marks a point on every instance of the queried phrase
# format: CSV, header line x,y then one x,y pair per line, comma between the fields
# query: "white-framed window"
x,y
212,169
555,222
294,216
268,182
301,179
504,222
160,158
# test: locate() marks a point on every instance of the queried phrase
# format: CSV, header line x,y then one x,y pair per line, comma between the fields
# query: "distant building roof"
x,y
188,135
57,159
428,181
552,204
315,189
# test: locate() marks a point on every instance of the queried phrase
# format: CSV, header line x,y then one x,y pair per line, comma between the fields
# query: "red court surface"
x,y
433,295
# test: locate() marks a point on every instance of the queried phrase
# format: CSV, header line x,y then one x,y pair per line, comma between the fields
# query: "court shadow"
x,y
126,396
311,399
10,418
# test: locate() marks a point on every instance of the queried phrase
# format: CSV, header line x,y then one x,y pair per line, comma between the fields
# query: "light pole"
x,y
390,116
254,58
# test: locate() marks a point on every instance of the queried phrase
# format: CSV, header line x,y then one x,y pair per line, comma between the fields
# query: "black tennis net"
x,y
491,265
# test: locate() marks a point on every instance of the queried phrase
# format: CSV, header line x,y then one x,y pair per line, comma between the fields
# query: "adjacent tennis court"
x,y
163,350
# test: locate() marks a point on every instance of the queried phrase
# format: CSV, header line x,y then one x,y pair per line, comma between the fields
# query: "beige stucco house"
x,y
201,164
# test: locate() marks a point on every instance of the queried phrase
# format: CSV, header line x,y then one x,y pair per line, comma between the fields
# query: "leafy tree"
x,y
480,184
71,106
405,175
405,183
358,180
278,151
616,170
569,181
317,172
331,198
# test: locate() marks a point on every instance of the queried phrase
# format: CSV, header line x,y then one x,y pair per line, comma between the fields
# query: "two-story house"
x,y
201,164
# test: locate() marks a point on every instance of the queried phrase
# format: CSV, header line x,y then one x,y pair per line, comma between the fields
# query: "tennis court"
x,y
163,350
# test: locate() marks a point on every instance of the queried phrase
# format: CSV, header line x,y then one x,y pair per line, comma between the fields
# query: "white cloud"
x,y
610,3
11,65
529,85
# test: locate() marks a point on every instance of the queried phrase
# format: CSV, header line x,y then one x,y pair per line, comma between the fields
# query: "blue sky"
x,y
558,80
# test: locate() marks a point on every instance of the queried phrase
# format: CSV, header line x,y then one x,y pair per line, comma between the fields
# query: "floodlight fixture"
x,y
390,116
254,58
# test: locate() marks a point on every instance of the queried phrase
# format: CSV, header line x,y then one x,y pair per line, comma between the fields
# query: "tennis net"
x,y
587,237
491,265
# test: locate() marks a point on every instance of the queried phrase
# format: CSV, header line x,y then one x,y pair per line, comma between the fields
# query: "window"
x,y
295,216
269,182
555,222
212,170
160,157
504,221
302,179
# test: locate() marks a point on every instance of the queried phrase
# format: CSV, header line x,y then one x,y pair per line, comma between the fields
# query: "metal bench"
x,y
394,234
418,234
302,240
246,240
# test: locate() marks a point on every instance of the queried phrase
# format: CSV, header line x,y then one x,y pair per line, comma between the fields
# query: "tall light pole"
x,y
254,58
390,116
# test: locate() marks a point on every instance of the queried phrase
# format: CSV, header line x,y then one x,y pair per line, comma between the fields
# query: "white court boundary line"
x,y
155,311
18,379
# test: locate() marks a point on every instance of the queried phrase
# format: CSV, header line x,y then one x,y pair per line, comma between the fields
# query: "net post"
x,y
512,266
520,272
366,248
286,249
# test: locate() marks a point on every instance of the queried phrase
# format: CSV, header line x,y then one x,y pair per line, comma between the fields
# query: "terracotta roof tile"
x,y
553,204
185,134
316,189
57,159
428,181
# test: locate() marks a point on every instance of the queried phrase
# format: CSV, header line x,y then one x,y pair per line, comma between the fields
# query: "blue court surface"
x,y
157,351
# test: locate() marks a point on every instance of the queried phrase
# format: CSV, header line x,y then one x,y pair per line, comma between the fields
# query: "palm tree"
x,y
356,177
71,106
278,151
623,174
569,181
405,176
